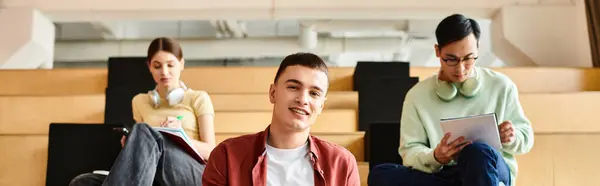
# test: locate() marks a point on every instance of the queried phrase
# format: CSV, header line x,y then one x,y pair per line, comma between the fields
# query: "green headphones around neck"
x,y
448,91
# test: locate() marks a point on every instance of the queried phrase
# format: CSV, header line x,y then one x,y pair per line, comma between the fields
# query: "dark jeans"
x,y
478,165
148,159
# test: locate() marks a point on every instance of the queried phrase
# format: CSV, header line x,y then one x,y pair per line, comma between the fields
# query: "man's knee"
x,y
87,179
384,174
478,150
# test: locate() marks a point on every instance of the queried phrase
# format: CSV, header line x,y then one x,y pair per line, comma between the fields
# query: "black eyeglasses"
x,y
456,61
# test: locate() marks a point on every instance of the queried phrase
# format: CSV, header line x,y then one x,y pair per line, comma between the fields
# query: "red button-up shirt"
x,y
240,161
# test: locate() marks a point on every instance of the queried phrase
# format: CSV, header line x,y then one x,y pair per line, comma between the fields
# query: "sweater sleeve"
x,y
414,147
523,131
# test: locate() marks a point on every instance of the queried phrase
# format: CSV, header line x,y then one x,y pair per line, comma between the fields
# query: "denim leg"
x,y
149,157
88,179
389,174
176,167
482,165
137,161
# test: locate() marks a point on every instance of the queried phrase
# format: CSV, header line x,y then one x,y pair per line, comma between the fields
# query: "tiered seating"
x,y
562,112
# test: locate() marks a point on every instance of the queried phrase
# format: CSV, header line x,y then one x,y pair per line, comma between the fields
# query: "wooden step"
x,y
260,101
341,120
563,112
548,112
363,172
33,115
53,82
258,79
211,79
23,160
528,78
353,141
555,160
24,157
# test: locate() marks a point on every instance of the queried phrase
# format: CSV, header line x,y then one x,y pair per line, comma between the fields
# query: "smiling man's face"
x,y
298,97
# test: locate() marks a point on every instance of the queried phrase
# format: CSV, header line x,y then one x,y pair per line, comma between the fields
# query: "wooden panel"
x,y
260,101
248,122
257,79
535,167
211,79
252,79
23,160
353,141
363,172
548,112
53,82
33,115
556,159
563,112
576,159
528,78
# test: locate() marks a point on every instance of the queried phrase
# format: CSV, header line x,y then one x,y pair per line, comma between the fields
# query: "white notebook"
x,y
479,128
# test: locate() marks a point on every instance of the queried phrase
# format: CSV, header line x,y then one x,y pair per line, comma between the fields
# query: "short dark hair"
x,y
303,59
164,44
455,27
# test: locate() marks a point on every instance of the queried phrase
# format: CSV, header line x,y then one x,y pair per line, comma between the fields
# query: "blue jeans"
x,y
477,165
148,159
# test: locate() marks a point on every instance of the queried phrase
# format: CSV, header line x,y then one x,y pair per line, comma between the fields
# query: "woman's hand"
x,y
123,141
171,122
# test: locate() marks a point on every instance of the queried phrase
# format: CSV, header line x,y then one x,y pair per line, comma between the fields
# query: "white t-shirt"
x,y
289,167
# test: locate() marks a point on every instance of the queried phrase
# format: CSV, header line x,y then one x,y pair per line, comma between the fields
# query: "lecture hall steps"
x,y
562,111
258,79
549,112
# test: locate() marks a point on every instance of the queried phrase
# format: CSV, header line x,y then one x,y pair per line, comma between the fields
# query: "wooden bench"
x,y
548,112
24,157
562,112
258,79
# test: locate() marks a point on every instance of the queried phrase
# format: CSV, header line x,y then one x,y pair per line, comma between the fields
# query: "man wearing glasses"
x,y
459,89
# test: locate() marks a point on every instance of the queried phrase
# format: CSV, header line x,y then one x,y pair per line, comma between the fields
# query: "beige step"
x,y
53,82
353,141
555,160
548,112
339,120
258,79
563,112
33,115
363,172
23,160
211,79
24,157
260,101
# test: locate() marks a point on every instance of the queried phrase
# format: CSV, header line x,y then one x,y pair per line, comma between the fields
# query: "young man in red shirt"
x,y
285,153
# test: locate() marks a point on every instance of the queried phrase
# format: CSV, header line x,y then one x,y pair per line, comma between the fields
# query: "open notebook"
x,y
179,137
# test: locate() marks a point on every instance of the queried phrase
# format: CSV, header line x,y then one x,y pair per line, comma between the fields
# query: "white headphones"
x,y
448,91
174,97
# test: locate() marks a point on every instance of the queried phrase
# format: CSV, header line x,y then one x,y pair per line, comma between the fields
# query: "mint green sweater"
x,y
420,130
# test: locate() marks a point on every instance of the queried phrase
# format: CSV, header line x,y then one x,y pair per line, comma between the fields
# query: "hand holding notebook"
x,y
479,128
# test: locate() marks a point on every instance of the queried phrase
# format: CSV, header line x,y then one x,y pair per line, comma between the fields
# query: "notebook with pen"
x,y
176,135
